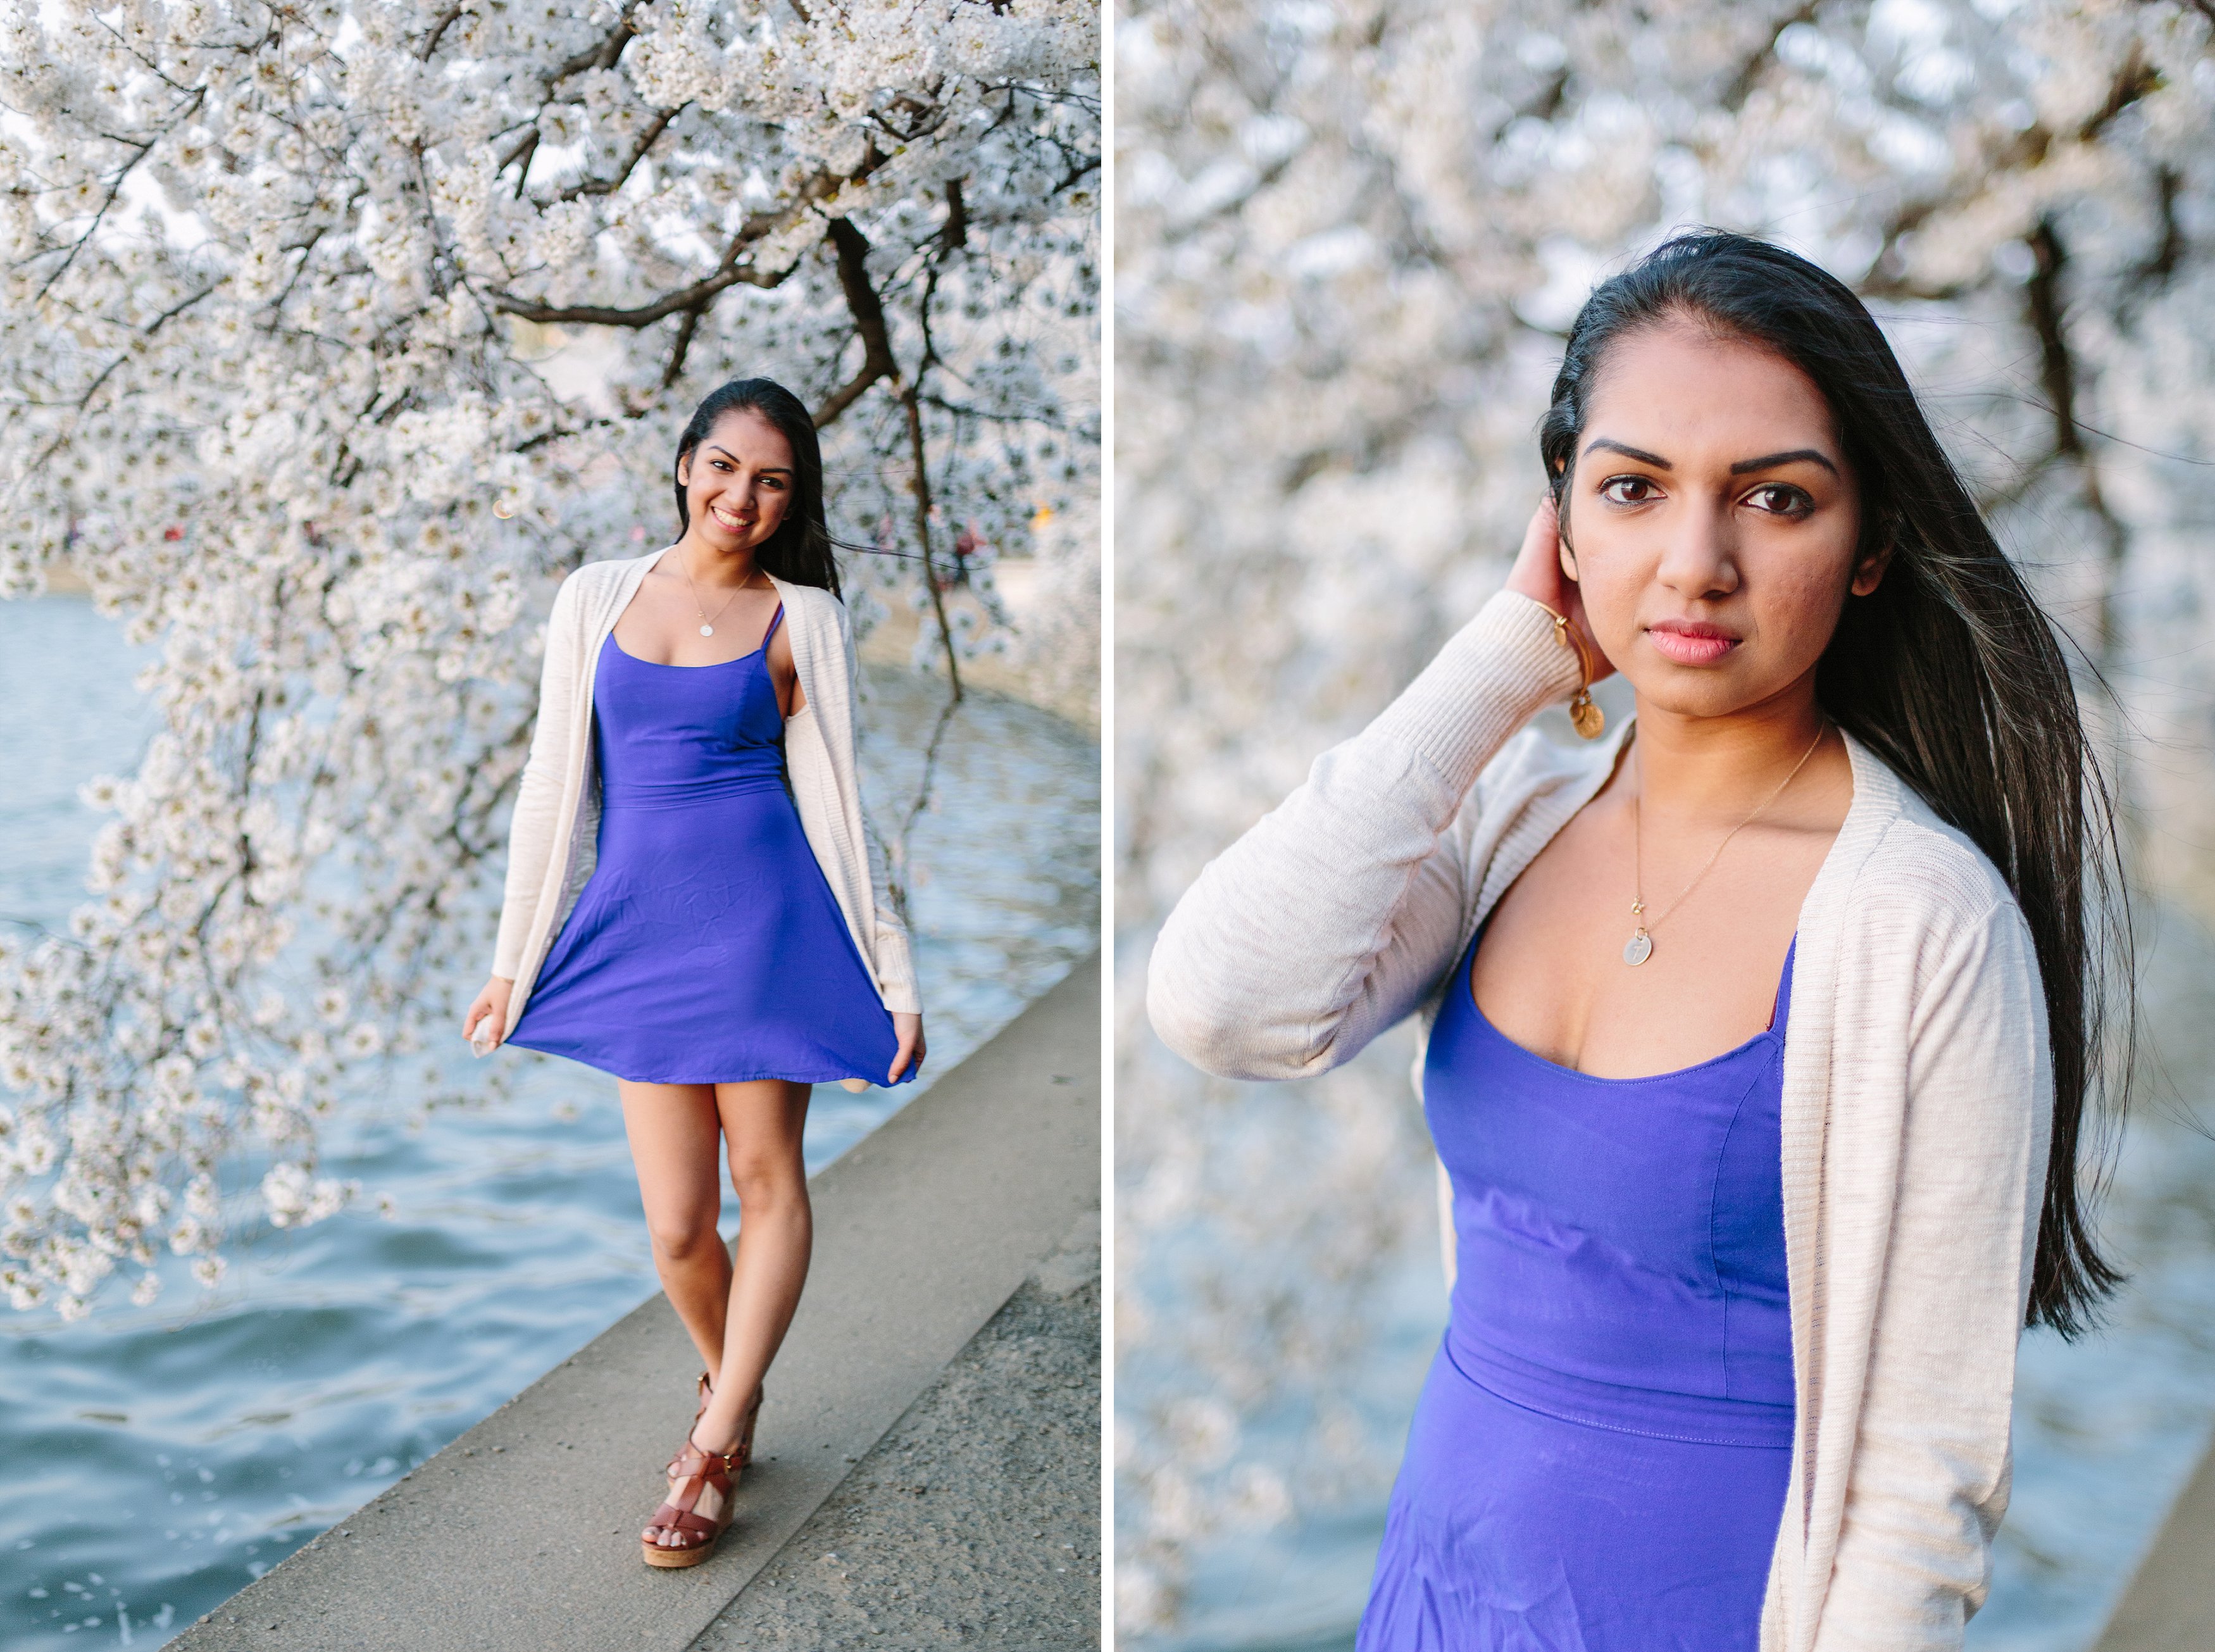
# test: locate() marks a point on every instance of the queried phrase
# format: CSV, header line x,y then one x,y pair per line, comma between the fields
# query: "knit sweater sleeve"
x,y
896,979
1329,919
1930,1474
539,794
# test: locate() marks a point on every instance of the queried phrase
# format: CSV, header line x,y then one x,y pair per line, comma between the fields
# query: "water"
x,y
2106,1429
159,1461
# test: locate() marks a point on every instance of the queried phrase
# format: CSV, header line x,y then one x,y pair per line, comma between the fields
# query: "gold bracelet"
x,y
1585,716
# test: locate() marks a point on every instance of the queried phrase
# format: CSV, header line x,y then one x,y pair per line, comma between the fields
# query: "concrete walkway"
x,y
976,1521
523,1534
2170,1606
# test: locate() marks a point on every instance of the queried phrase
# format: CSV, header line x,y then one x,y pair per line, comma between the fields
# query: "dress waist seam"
x,y
1761,1426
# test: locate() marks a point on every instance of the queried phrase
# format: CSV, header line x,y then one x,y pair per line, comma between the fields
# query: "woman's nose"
x,y
1699,555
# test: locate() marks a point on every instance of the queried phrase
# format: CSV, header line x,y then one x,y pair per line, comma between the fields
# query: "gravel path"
x,y
975,1522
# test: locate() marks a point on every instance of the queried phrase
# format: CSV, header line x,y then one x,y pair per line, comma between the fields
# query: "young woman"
x,y
695,903
1759,1031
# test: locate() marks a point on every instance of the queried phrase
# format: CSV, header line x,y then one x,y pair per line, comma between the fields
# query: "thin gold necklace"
x,y
1637,949
708,625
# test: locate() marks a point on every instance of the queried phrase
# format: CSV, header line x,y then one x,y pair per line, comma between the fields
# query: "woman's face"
x,y
1712,521
738,481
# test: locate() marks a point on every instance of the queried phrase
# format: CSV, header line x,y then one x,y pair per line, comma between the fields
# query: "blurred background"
x,y
1348,241
333,335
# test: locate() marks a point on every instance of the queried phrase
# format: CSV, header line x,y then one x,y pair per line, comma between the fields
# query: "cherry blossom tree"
x,y
1349,242
279,289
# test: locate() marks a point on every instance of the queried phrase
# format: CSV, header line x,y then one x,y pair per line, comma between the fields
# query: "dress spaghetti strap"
x,y
1782,1007
775,620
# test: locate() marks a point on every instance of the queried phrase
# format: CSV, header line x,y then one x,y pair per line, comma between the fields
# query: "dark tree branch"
x,y
2046,306
2133,79
729,271
447,20
868,312
646,139
1750,71
685,329
913,406
139,152
955,233
2167,256
522,149
2057,369
604,55
878,362
730,274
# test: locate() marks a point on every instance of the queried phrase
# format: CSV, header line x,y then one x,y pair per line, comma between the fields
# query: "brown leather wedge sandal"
x,y
743,1453
697,1510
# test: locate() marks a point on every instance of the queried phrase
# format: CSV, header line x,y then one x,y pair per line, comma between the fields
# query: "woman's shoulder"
x,y
606,570
1923,871
811,611
809,602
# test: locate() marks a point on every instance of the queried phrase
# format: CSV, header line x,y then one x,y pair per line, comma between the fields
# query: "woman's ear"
x,y
1868,572
685,471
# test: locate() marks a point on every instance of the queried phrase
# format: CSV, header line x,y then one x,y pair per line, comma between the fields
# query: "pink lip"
x,y
1688,642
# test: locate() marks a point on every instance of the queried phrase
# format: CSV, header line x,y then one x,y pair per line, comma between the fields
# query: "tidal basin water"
x,y
153,1462
2106,1429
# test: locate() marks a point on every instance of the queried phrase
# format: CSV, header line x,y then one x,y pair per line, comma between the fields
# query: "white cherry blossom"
x,y
281,290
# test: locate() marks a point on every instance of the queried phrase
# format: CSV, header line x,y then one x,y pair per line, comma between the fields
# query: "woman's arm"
x,y
1929,1480
1334,915
539,794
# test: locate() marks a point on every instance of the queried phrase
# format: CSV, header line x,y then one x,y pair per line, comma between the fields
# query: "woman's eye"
x,y
1781,499
1628,491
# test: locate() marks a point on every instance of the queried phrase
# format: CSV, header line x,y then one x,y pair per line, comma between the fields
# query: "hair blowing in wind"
x,y
1949,671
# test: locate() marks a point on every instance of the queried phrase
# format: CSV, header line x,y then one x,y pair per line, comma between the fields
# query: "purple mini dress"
x,y
707,946
1598,1459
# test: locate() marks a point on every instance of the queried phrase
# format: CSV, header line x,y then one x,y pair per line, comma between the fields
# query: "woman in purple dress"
x,y
1760,1028
732,945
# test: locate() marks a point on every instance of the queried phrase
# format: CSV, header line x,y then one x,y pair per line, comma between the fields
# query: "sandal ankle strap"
x,y
730,1461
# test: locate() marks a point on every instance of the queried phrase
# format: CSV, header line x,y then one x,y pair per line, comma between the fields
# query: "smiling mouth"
x,y
1690,644
726,520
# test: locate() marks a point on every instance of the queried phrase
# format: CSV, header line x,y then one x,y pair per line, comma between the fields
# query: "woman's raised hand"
x,y
1539,575
492,1002
908,1027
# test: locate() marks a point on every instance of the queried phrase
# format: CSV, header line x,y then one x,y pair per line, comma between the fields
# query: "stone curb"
x,y
2170,1606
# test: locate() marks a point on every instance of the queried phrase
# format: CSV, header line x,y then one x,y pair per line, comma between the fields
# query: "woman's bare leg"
x,y
763,1123
673,1130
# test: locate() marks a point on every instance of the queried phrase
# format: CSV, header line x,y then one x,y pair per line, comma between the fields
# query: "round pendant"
x,y
1638,948
707,630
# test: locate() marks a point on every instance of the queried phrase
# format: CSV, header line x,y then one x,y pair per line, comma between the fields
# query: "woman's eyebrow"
x,y
1629,451
766,470
1774,460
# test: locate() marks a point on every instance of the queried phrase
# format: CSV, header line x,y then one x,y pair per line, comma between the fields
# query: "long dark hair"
x,y
801,551
1948,670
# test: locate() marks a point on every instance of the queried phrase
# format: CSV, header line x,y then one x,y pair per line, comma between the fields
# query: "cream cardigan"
x,y
558,802
1916,1105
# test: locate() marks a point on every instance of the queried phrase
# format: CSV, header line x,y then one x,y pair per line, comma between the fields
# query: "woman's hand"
x,y
909,1028
492,1002
1539,575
